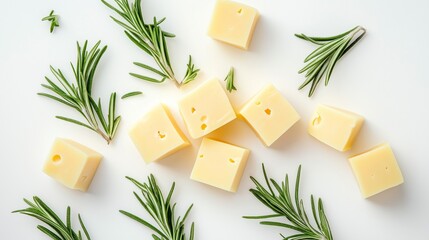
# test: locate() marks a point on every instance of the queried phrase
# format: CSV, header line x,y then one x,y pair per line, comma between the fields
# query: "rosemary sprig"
x,y
152,40
321,62
230,80
162,212
58,230
53,19
191,72
79,96
131,94
278,198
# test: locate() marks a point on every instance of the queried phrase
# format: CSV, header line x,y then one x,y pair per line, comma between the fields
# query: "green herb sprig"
x,y
78,95
321,62
56,229
152,40
168,227
191,72
278,198
53,19
230,80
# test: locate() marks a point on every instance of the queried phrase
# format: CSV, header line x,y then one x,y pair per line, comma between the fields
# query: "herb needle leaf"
x,y
58,229
53,19
321,62
78,95
152,39
230,80
278,198
167,226
131,94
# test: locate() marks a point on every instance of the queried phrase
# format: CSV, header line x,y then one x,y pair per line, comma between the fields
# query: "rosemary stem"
x,y
172,78
107,138
92,119
358,29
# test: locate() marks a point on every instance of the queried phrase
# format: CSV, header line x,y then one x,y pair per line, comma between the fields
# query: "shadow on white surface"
x,y
391,198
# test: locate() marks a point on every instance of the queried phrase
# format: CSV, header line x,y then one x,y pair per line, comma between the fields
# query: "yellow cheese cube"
x,y
269,114
157,135
233,23
206,109
220,164
72,164
376,170
335,127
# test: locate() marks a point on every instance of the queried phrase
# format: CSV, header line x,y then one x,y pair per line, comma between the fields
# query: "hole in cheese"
x,y
203,118
56,158
193,110
316,120
268,111
201,156
240,11
203,126
231,160
258,103
161,135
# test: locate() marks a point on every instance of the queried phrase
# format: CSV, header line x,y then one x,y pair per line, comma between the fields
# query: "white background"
x,y
383,78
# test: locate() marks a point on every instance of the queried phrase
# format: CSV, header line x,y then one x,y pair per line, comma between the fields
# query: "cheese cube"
x,y
376,170
72,164
220,164
233,23
157,135
269,114
335,127
206,109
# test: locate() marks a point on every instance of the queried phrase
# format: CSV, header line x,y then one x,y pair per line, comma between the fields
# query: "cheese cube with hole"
x,y
269,114
335,127
157,135
233,23
206,109
220,164
72,164
376,170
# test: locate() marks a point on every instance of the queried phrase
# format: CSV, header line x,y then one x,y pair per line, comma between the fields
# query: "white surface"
x,y
383,79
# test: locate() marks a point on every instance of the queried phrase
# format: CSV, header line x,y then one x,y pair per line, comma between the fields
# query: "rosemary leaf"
x,y
162,212
58,229
78,95
151,38
278,198
131,94
70,120
321,62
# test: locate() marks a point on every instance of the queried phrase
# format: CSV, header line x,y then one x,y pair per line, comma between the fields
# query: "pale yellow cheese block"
x,y
233,23
157,135
269,114
376,170
206,109
220,164
72,164
335,127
